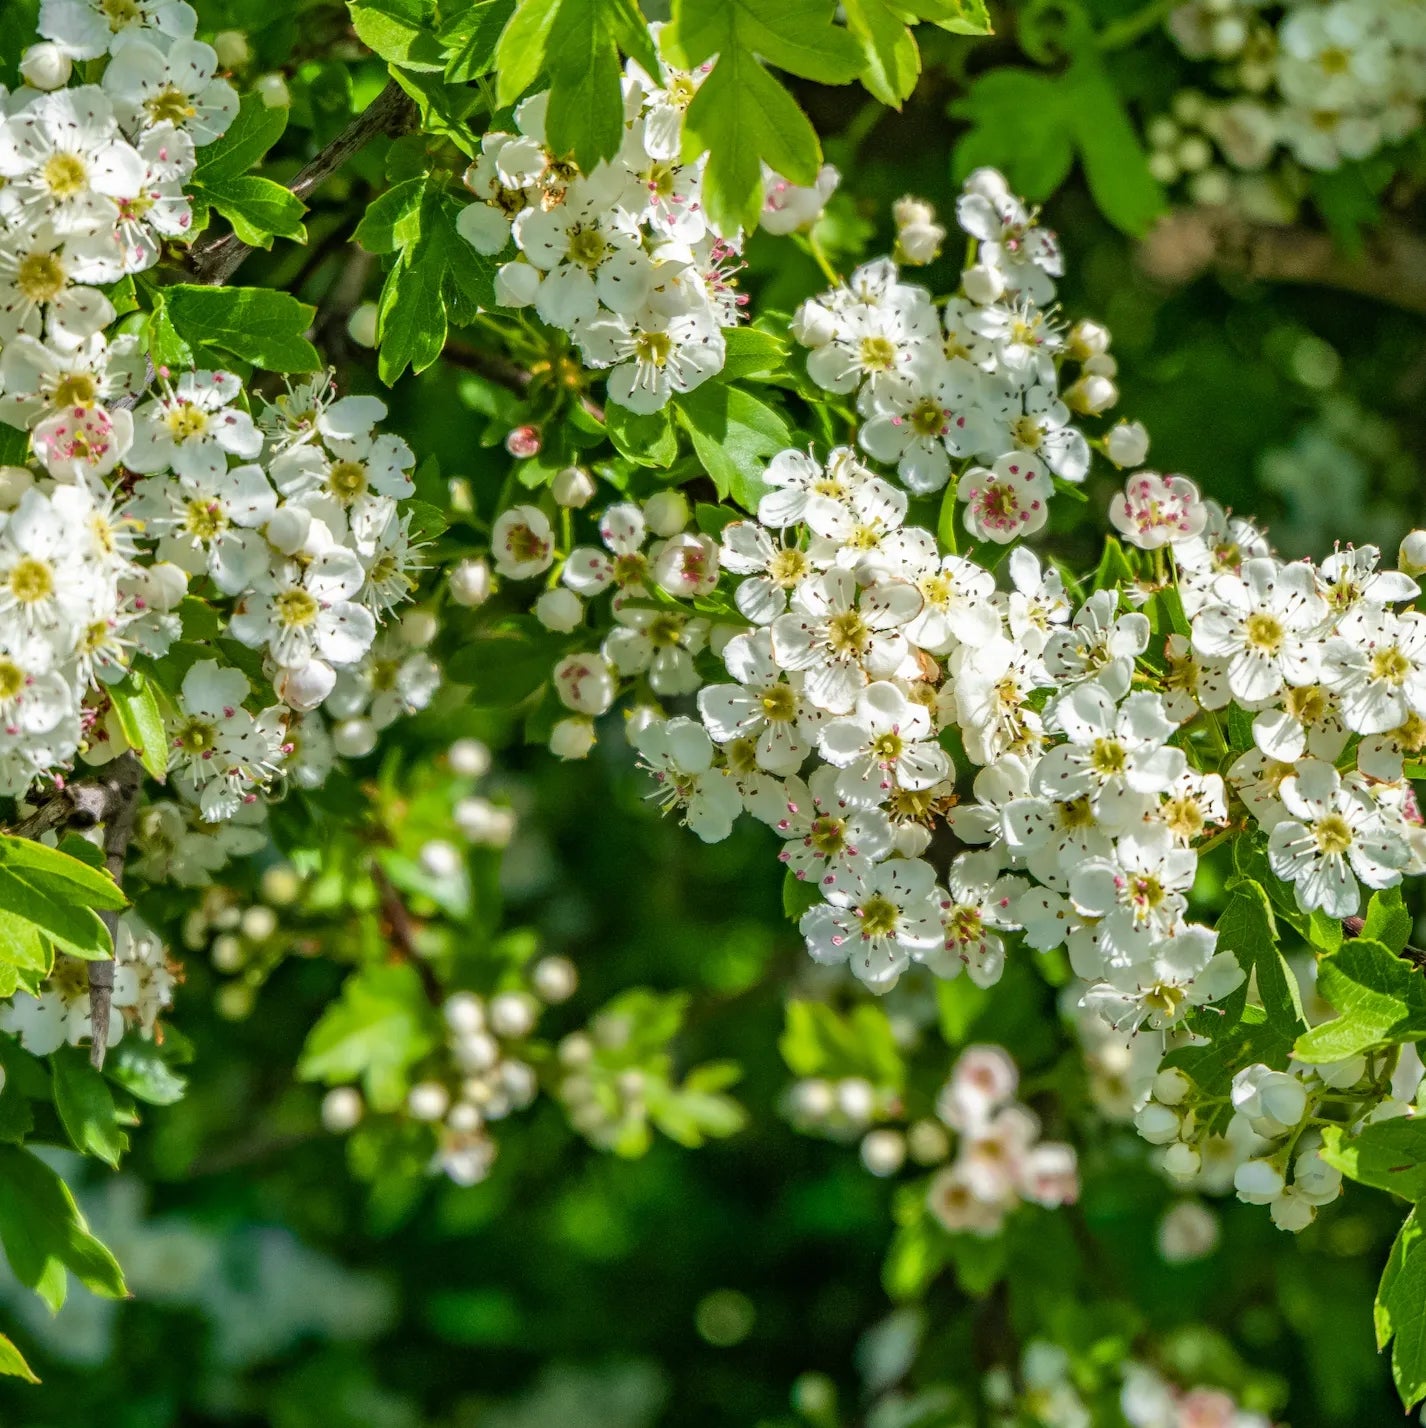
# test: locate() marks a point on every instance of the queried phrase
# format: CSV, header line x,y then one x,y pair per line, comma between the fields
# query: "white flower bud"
x,y
1228,35
576,1050
45,66
554,979
272,89
464,1013
521,1083
1162,166
1171,1086
354,738
259,922
440,858
419,628
342,1109
485,823
469,758
470,583
574,488
1341,1074
560,610
1194,153
856,1099
573,738
1127,444
281,886
919,243
1291,1212
1213,188
638,719
1410,559
228,953
813,1099
289,528
1189,1231
1092,394
428,1100
1181,1161
307,687
687,565
1189,106
14,482
1258,1182
1087,339
1158,1124
1102,364
362,325
477,1051
989,183
813,325
928,1142
585,683
1284,1098
232,49
1315,1180
517,284
983,283
465,1118
883,1151
513,1014
667,512
1162,132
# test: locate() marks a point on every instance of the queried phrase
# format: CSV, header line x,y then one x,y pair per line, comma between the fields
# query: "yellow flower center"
x,y
170,106
654,348
40,277
295,608
76,389
878,354
886,748
779,704
1333,835
1390,666
204,520
587,247
31,580
1107,758
12,679
185,421
64,175
197,738
347,480
847,633
827,835
879,917
1263,632
787,567
927,417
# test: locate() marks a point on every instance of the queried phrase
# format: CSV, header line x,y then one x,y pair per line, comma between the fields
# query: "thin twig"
x,y
402,930
1391,268
497,368
215,260
1352,927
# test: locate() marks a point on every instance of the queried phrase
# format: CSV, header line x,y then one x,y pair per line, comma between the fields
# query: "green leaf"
x,y
734,435
378,1030
1380,998
139,717
1248,930
399,31
1400,1312
959,1003
1389,1155
817,1041
166,347
893,62
256,128
797,893
1032,125
86,1106
501,671
145,1071
259,209
394,219
1388,920
45,1235
750,352
67,875
469,38
23,950
741,116
259,325
70,925
646,440
1114,569
12,1362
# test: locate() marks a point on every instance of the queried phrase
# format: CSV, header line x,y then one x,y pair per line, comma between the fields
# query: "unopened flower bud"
x,y
1171,1086
428,1100
523,442
1189,1231
883,1151
469,758
470,582
354,738
813,325
983,283
1087,339
272,89
259,923
1127,444
1259,1182
440,858
1411,559
572,738
989,183
307,687
362,324
1181,1161
559,610
666,512
14,482
288,529
232,49
856,1099
342,1109
45,66
281,886
1158,1124
516,284
555,979
1291,1212
918,235
1091,395
464,1013
573,487
419,628
513,1014
1284,1098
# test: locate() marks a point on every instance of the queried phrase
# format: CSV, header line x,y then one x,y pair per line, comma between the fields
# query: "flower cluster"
x,y
972,386
61,1012
1323,81
624,258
